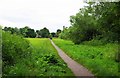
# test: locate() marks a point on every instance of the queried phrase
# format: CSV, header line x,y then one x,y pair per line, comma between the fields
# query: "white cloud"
x,y
53,14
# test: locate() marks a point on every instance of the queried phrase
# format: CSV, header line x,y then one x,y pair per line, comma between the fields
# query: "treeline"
x,y
27,32
97,21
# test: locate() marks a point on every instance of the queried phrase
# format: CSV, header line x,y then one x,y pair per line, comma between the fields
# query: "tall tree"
x,y
109,19
97,20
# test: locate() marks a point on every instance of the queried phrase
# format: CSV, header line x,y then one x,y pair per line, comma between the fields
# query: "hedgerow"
x,y
14,49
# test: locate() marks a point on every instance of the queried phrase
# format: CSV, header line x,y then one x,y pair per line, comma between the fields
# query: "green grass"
x,y
46,56
31,57
101,59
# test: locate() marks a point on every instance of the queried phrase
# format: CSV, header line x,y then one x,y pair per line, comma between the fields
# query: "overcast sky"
x,y
37,14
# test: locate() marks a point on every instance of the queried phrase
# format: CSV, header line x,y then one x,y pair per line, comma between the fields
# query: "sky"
x,y
37,14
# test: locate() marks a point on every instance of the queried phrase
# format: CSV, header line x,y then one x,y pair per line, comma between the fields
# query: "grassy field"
x,y
101,59
49,63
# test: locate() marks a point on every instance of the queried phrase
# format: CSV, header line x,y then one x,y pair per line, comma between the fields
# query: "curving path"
x,y
75,67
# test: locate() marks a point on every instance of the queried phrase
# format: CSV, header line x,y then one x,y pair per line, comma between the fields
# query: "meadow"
x,y
100,59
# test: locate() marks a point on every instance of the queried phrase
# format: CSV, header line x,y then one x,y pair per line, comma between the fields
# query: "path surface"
x,y
75,67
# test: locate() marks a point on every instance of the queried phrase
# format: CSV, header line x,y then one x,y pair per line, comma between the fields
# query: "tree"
x,y
17,31
44,32
109,20
5,29
24,30
58,32
94,22
38,34
65,34
9,29
30,33
53,34
84,26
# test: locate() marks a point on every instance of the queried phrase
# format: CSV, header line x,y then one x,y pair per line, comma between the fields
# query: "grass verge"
x,y
101,60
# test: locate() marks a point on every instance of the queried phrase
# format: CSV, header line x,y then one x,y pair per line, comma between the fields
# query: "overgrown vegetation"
x,y
102,60
54,65
31,57
96,21
14,52
95,28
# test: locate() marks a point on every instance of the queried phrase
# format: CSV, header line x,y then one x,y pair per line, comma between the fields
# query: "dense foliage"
x,y
30,57
97,26
53,34
96,21
58,32
47,58
25,31
14,50
101,59
44,33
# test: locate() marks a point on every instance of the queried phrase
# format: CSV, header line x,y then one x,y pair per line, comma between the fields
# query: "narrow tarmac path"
x,y
75,67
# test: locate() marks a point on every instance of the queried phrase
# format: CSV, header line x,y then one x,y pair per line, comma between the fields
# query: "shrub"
x,y
51,59
14,48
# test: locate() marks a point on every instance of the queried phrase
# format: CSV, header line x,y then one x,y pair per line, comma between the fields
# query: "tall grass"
x,y
100,59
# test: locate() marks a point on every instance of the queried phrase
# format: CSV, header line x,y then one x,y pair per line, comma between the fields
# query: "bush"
x,y
51,59
14,49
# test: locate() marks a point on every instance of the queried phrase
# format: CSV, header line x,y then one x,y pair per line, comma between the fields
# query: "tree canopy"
x,y
95,21
44,33
25,31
